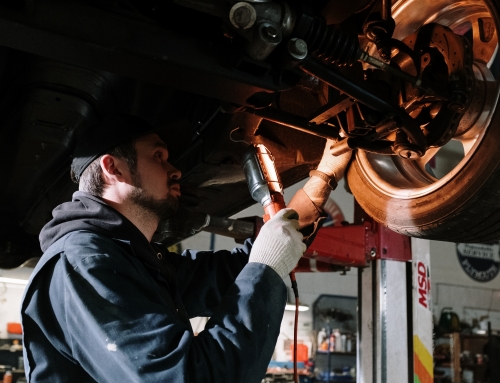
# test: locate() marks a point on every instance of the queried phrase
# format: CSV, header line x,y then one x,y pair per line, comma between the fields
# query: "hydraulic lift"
x,y
395,328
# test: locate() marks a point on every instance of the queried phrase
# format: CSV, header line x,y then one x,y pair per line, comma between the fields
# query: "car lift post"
x,y
395,329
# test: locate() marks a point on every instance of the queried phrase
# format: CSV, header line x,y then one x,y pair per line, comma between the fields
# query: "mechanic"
x,y
105,304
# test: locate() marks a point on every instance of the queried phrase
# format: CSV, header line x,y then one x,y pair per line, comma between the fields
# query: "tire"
x,y
463,205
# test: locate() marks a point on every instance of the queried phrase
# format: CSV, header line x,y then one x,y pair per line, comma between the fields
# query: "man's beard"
x,y
161,208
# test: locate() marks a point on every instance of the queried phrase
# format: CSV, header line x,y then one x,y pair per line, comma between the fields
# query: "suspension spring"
x,y
328,42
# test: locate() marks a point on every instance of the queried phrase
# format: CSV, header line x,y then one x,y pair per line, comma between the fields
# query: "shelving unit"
x,y
336,313
338,360
459,358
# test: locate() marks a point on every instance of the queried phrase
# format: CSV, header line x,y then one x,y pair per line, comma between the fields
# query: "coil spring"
x,y
332,44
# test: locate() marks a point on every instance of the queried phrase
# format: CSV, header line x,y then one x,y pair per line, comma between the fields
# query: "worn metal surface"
x,y
384,323
356,245
344,245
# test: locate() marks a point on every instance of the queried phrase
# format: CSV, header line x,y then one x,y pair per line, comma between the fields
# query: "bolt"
x,y
373,252
242,15
457,101
408,154
407,151
297,48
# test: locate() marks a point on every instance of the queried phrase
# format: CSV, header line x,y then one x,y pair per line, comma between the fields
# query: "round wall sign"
x,y
480,262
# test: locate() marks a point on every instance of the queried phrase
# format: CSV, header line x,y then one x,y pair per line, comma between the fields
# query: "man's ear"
x,y
113,168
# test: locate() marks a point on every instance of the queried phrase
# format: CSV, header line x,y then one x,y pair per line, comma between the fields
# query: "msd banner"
x,y
423,285
422,313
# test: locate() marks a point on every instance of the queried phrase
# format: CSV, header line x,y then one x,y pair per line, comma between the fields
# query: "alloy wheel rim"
x,y
406,179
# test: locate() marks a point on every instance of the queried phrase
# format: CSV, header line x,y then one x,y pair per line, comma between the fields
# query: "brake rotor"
x,y
442,58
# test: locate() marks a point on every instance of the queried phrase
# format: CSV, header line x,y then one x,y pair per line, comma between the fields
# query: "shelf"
x,y
336,353
458,344
473,365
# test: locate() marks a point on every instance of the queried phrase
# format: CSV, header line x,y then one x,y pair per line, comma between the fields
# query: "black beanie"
x,y
108,133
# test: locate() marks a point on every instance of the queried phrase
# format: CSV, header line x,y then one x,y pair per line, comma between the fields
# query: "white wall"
x,y
10,302
10,299
452,287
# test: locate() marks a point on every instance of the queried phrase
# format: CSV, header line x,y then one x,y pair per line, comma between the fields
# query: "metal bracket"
x,y
355,246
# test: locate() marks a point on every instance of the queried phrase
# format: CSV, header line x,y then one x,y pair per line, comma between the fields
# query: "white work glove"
x,y
334,166
279,243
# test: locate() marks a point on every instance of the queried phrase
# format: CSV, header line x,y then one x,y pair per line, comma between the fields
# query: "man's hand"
x,y
333,166
279,243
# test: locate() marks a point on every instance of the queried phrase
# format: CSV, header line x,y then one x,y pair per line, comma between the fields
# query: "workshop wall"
x,y
452,287
11,295
10,302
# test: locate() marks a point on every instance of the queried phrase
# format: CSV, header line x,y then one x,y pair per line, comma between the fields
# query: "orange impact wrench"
x,y
265,187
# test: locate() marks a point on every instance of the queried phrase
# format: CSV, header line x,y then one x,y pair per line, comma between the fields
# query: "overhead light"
x,y
14,280
291,307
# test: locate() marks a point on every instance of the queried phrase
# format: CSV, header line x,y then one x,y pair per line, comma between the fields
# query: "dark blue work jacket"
x,y
95,311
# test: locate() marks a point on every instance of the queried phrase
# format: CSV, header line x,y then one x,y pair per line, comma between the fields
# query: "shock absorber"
x,y
339,46
328,42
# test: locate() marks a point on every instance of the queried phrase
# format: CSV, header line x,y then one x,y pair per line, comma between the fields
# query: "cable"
x,y
296,325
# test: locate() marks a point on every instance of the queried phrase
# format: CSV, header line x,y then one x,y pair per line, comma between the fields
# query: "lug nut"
x,y
457,102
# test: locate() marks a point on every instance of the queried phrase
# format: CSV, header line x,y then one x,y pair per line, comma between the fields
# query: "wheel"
x,y
459,201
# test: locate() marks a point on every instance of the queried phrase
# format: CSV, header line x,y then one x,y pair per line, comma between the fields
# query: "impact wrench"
x,y
265,187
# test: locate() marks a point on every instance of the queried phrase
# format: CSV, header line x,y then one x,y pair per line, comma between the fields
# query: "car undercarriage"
x,y
394,81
